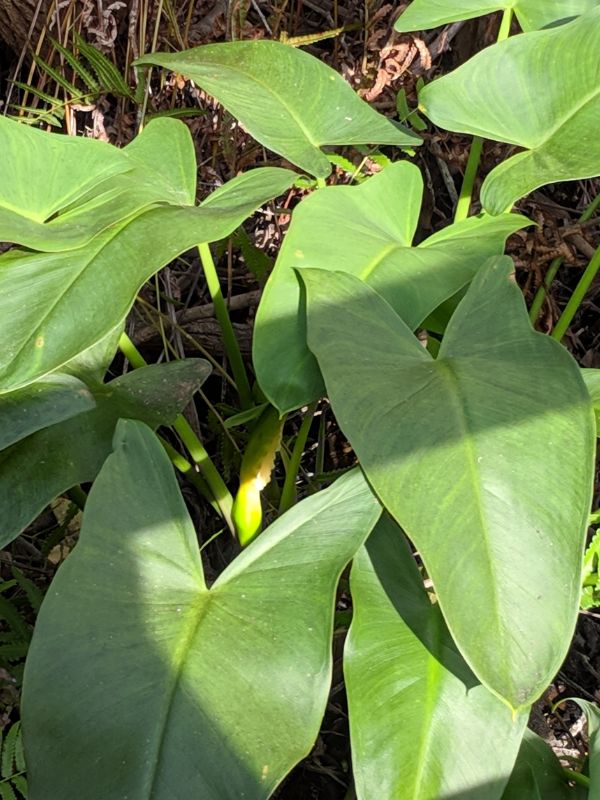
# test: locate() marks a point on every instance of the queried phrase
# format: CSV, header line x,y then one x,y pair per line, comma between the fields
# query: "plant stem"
x,y
577,297
288,493
540,295
321,184
211,475
505,24
466,190
576,777
232,347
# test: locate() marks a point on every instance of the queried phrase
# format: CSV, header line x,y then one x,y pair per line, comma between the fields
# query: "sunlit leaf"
x,y
538,91
532,14
485,457
186,691
287,99
68,301
365,230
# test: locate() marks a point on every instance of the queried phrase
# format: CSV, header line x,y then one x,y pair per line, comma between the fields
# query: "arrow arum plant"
x,y
144,681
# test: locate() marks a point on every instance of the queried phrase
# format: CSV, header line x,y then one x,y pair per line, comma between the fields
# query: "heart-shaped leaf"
x,y
532,14
189,691
491,96
68,301
288,100
485,457
39,468
421,724
51,400
365,230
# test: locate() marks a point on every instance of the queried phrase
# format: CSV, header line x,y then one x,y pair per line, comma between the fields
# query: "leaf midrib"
x,y
458,406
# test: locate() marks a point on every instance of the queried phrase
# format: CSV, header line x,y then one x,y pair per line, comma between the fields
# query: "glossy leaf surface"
x,y
39,468
51,400
365,230
484,456
287,99
538,775
68,301
532,14
422,726
186,691
555,71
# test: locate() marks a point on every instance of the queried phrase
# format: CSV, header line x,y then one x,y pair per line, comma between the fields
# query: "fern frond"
x,y
13,651
37,116
82,72
20,784
34,595
12,616
6,791
56,76
9,750
109,76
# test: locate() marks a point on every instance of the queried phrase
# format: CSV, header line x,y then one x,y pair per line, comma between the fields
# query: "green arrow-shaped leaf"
x,y
68,301
492,95
484,456
421,724
365,230
189,691
39,468
287,99
532,14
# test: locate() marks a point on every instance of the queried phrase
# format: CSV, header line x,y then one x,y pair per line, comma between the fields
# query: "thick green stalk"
x,y
577,297
232,347
466,191
576,777
540,295
210,473
288,493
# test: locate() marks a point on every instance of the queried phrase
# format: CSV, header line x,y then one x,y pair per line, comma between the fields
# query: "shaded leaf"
x,y
487,95
532,14
69,301
215,707
537,775
285,98
591,379
484,456
47,463
365,230
422,726
50,400
592,713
